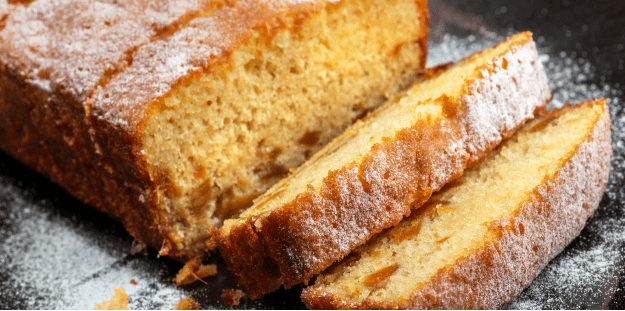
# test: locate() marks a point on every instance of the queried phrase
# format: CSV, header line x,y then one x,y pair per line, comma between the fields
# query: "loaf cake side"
x,y
478,242
162,129
223,108
53,54
365,180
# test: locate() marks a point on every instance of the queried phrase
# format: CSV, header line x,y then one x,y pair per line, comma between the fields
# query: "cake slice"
x,y
483,238
172,115
367,179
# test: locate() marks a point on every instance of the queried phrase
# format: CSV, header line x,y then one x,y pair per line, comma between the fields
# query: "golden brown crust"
x,y
292,243
48,132
207,42
47,121
119,109
544,225
73,115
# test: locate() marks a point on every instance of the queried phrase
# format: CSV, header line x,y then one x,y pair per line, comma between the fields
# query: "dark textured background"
x,y
58,253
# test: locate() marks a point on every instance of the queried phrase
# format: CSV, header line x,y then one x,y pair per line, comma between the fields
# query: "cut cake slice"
x,y
367,179
172,115
484,237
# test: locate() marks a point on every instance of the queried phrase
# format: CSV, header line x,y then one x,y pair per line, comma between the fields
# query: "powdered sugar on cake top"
x,y
317,227
71,45
492,109
585,275
5,9
496,105
549,221
159,67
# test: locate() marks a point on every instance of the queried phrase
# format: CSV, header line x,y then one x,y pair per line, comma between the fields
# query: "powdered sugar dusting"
x,y
39,254
5,9
156,67
159,66
498,104
570,274
60,262
580,274
582,277
150,291
71,45
315,229
453,48
571,78
494,274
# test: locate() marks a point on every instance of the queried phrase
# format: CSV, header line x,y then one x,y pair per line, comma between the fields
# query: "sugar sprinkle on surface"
x,y
590,267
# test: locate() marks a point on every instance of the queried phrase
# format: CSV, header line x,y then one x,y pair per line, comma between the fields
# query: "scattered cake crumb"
x,y
232,297
137,247
133,282
212,242
187,304
119,301
192,271
206,271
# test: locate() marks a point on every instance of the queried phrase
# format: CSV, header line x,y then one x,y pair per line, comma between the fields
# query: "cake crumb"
x,y
119,301
192,271
187,304
232,297
133,282
137,247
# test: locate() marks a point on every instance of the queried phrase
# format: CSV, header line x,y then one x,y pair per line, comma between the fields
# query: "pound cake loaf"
x,y
172,115
484,237
367,179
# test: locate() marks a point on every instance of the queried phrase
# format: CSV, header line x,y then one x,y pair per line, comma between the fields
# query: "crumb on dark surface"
x,y
232,297
187,303
193,271
119,301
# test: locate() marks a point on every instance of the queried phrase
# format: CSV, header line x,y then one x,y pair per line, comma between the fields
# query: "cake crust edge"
x,y
277,248
462,285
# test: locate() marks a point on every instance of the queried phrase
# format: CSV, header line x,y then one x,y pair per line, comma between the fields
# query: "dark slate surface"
x,y
57,253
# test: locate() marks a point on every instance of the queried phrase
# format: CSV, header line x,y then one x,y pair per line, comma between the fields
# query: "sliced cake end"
x,y
365,180
214,115
482,239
